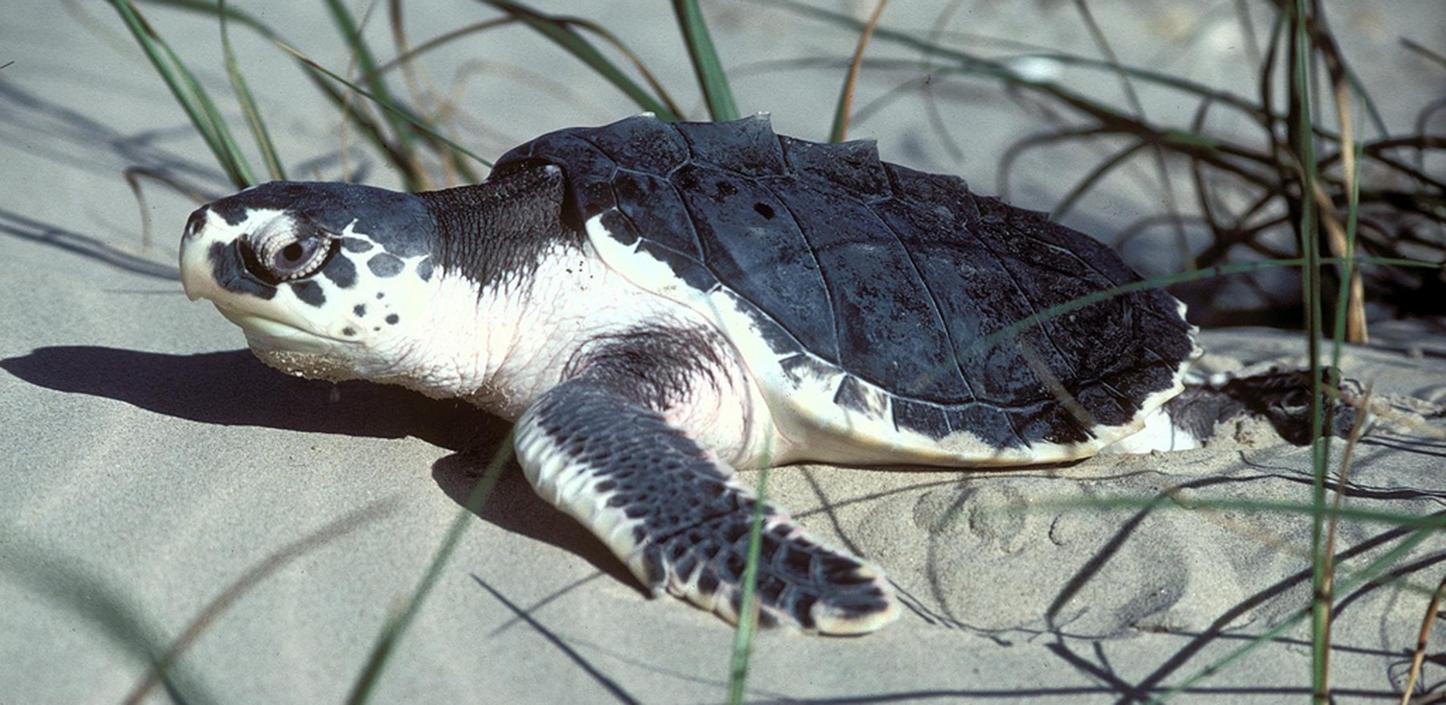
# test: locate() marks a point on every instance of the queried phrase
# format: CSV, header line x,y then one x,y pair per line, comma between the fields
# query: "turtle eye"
x,y
292,260
287,255
288,261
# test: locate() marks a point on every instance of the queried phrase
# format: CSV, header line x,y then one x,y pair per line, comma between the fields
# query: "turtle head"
x,y
328,280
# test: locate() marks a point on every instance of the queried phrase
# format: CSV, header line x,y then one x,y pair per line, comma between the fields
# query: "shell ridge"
x,y
654,243
934,305
818,267
1058,248
1043,326
692,232
692,156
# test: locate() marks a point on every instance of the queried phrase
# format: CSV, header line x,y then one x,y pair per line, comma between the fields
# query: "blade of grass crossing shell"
x,y
838,132
561,34
247,101
709,70
1077,303
747,610
395,627
183,88
1310,244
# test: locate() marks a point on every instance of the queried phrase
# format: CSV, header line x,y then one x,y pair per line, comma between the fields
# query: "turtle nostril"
x,y
195,223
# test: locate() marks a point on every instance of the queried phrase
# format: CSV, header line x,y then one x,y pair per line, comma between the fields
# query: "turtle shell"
x,y
888,314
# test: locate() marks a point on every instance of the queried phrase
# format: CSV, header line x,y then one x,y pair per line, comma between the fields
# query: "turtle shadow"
x,y
233,388
513,506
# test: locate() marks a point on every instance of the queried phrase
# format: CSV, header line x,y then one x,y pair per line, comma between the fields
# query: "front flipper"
x,y
680,521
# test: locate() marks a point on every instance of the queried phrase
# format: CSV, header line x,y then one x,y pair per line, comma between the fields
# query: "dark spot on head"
x,y
424,269
376,328
384,265
397,222
359,309
381,295
764,210
348,331
230,272
309,292
355,244
341,272
392,318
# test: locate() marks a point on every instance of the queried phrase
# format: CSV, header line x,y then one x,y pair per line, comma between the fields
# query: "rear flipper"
x,y
680,521
1209,406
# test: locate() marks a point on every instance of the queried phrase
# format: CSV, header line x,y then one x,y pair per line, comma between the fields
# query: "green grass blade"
x,y
188,94
562,34
709,70
116,618
212,8
376,84
1093,177
393,630
1360,577
386,106
442,40
1436,522
1014,329
370,129
223,133
1310,248
247,581
632,56
747,614
247,101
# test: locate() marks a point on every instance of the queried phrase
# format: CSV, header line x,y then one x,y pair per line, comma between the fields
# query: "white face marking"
x,y
340,321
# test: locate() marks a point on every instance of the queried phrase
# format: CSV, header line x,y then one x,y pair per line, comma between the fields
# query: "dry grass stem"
x,y
845,104
1433,610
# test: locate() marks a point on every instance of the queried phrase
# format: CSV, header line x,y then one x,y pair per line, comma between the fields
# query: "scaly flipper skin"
x,y
680,521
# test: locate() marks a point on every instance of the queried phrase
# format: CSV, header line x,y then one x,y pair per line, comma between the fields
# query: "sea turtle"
x,y
658,304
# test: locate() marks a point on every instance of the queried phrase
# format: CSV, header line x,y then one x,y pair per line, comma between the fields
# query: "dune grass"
x,y
1300,176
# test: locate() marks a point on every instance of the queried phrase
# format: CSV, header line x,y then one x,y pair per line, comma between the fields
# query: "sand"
x,y
150,466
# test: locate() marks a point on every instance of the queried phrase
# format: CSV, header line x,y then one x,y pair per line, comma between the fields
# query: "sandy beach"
x,y
154,470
